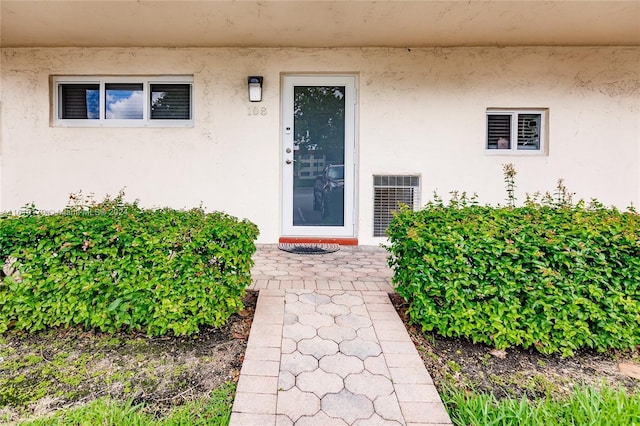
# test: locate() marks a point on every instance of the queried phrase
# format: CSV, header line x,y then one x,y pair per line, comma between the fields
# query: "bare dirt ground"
x,y
44,372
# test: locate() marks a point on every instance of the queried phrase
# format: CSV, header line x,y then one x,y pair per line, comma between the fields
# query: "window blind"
x,y
529,131
75,99
170,101
498,127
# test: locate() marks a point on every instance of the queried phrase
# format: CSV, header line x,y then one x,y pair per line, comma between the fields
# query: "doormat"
x,y
298,248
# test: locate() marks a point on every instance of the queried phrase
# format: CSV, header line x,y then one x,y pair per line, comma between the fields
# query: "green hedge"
x,y
555,278
115,266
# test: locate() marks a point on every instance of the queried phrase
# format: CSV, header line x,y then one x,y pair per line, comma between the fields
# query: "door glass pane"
x,y
318,144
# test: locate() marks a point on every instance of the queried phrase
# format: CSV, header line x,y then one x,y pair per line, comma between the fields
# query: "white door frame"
x,y
287,135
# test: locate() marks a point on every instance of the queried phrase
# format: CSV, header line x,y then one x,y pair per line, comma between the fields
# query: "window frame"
x,y
102,81
514,113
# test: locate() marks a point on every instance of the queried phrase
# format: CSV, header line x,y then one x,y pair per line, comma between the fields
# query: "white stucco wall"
x,y
419,111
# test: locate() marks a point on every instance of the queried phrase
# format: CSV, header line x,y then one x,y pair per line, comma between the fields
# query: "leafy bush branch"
x,y
550,275
112,265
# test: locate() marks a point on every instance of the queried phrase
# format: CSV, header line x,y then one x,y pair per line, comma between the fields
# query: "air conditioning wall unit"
x,y
389,192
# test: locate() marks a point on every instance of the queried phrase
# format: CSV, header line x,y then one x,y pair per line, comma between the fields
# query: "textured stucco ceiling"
x,y
317,23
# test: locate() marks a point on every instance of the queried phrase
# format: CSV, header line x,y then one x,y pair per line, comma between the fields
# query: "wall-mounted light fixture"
x,y
255,88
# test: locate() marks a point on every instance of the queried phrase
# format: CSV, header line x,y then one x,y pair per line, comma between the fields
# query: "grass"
x,y
214,411
586,406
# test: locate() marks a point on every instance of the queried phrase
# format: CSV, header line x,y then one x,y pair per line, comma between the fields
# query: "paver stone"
x,y
347,406
367,333
288,346
286,380
294,403
316,320
297,363
416,393
360,348
347,299
252,419
332,309
376,420
360,311
257,384
298,332
290,318
377,365
281,420
404,360
320,419
410,375
314,298
425,412
353,321
317,347
319,382
369,385
388,408
337,333
341,364
256,403
299,308
290,298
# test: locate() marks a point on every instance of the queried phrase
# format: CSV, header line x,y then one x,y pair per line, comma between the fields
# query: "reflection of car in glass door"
x,y
328,193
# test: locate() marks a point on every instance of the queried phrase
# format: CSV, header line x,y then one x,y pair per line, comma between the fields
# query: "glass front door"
x,y
318,155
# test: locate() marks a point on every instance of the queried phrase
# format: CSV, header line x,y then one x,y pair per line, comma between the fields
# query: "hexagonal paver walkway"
x,y
327,347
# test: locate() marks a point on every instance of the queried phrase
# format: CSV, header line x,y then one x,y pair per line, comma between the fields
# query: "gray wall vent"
x,y
388,193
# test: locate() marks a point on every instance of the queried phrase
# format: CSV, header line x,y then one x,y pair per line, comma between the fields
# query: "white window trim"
x,y
513,112
146,81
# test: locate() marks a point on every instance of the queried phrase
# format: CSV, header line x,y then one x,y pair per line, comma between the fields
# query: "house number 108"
x,y
257,111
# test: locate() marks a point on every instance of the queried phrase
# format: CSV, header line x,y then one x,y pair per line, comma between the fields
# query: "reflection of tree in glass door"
x,y
319,147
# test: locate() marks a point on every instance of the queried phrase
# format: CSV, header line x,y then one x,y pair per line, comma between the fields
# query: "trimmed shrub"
x,y
114,266
556,278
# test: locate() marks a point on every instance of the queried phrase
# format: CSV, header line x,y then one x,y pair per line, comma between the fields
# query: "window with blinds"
x,y
170,101
123,101
81,101
389,192
498,131
516,131
529,131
